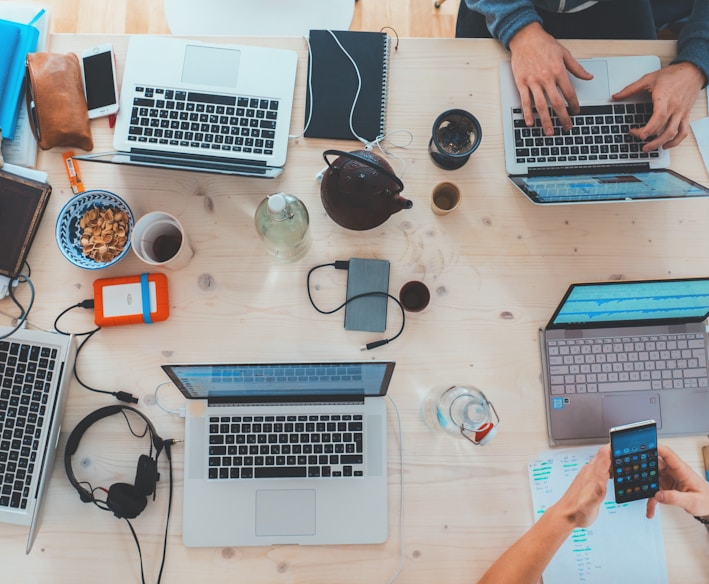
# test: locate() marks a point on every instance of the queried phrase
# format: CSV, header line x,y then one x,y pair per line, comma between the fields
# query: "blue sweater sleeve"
x,y
693,42
505,18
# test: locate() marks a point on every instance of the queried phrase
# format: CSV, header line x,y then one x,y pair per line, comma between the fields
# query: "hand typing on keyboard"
x,y
674,90
541,68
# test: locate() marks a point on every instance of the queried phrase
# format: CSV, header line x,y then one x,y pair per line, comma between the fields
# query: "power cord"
x,y
344,265
88,304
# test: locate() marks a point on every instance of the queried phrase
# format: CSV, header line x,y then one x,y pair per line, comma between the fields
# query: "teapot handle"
x,y
366,161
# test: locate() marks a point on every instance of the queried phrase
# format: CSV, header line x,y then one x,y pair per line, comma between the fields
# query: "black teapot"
x,y
359,190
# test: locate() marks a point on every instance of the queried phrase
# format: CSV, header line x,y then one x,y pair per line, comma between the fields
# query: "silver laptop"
x,y
35,367
207,107
598,160
284,453
619,352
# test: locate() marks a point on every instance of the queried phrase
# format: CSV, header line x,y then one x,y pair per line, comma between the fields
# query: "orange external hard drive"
x,y
131,300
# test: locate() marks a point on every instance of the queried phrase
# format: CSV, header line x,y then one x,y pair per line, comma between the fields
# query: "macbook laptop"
x,y
34,370
284,453
620,352
598,160
207,107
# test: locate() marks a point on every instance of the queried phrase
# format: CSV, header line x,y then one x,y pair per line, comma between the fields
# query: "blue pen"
x,y
705,454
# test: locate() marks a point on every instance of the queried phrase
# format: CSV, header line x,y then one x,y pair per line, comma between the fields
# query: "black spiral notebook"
x,y
334,82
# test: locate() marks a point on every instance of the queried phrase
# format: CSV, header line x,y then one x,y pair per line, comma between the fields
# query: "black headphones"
x,y
126,501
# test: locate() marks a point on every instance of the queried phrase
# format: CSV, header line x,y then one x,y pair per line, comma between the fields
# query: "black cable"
x,y
140,553
344,265
123,396
167,444
24,312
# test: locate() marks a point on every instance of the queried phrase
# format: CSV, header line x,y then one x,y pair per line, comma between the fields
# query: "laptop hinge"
x,y
587,169
197,161
282,400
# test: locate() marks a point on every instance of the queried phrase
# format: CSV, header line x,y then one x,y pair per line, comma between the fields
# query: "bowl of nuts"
x,y
93,229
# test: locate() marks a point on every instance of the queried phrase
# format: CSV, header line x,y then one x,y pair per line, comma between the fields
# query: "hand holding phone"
x,y
98,65
634,461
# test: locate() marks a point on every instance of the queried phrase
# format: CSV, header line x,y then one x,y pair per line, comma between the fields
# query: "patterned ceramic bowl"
x,y
69,232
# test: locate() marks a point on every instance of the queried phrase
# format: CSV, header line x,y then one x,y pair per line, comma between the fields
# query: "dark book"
x,y
22,204
334,82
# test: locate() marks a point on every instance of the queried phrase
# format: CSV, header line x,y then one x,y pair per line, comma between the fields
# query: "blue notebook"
x,y
12,70
9,35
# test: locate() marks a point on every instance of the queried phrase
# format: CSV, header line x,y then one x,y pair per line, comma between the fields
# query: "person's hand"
x,y
674,90
582,500
680,485
541,67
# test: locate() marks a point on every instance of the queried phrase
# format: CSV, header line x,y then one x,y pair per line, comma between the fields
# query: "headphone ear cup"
x,y
125,501
146,475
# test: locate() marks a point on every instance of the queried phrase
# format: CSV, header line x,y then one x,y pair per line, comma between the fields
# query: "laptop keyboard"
x,y
25,374
201,121
654,362
314,446
599,133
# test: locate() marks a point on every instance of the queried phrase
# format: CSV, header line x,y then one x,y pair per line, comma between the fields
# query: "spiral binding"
x,y
385,82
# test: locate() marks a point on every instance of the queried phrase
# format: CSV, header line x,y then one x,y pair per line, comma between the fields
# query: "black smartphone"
x,y
634,461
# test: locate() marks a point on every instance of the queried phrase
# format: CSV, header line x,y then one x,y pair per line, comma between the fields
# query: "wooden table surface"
x,y
496,268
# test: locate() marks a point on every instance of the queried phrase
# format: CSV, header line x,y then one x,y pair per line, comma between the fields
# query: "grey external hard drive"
x,y
368,313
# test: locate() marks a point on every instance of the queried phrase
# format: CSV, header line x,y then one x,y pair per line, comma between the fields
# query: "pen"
x,y
705,454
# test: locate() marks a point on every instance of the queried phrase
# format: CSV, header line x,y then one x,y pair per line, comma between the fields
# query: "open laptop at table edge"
x,y
610,75
308,508
59,393
185,65
586,418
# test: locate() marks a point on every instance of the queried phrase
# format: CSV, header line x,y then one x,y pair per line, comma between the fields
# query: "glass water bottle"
x,y
282,223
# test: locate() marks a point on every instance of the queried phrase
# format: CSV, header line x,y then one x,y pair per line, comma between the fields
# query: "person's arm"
x,y
505,18
540,64
674,88
526,559
680,485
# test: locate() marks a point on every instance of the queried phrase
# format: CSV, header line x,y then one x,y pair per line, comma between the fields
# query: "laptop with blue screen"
x,y
619,352
284,453
598,160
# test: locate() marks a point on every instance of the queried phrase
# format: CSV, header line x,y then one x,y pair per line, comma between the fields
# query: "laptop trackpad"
x,y
285,512
628,408
597,89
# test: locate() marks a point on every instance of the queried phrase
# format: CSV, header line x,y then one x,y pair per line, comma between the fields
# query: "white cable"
x,y
401,493
178,412
310,92
379,140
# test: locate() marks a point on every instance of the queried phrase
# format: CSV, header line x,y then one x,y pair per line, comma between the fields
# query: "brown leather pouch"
x,y
56,102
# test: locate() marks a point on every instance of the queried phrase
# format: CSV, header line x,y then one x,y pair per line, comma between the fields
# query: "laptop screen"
x,y
655,301
281,380
608,186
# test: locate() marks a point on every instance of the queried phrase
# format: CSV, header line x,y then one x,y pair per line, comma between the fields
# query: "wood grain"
x,y
410,18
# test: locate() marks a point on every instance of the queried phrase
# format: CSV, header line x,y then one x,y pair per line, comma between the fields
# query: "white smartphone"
x,y
98,65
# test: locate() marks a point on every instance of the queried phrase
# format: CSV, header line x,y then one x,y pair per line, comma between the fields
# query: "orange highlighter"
x,y
72,171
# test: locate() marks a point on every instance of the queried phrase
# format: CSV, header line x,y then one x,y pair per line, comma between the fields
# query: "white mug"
x,y
159,239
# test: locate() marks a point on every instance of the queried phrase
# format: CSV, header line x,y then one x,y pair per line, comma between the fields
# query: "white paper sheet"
x,y
622,545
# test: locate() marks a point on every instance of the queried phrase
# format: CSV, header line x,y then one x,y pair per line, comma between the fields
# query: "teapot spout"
x,y
399,203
